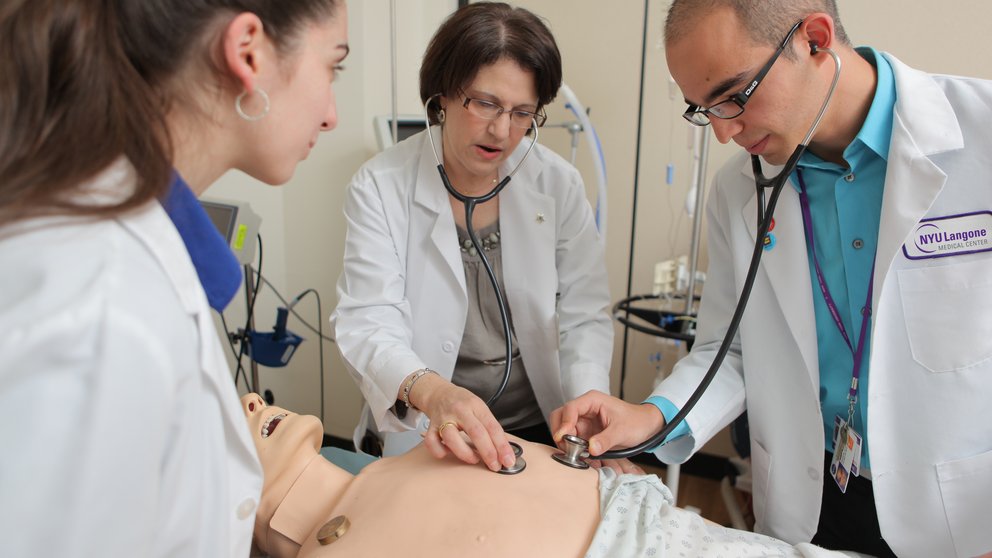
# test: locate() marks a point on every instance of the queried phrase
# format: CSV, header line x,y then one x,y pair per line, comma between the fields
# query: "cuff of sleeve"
x,y
669,410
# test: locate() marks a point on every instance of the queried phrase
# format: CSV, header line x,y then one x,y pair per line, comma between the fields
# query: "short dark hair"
x,y
484,33
84,82
766,21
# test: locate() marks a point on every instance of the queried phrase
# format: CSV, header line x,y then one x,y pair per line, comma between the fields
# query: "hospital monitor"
x,y
406,126
237,223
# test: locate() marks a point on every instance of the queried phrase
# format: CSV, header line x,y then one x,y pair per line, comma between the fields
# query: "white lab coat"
x,y
123,433
931,344
402,300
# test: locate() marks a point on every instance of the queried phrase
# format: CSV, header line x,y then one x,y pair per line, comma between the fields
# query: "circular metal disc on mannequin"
x,y
520,465
333,530
562,458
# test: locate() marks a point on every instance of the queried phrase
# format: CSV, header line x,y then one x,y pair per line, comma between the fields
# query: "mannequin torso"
x,y
418,506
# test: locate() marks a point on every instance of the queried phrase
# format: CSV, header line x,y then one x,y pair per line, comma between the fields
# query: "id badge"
x,y
856,464
847,454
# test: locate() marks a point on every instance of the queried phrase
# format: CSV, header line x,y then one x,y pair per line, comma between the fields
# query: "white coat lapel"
x,y
431,198
156,231
912,180
163,241
527,223
528,227
785,266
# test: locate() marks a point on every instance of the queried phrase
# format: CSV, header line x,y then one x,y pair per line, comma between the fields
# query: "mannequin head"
x,y
297,480
285,441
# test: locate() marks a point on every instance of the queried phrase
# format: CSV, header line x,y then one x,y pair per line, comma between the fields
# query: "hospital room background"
x,y
650,156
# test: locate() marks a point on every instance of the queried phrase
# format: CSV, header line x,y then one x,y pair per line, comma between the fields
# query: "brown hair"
x,y
483,33
83,82
766,21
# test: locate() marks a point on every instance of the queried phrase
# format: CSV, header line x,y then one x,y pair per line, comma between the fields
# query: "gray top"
x,y
482,355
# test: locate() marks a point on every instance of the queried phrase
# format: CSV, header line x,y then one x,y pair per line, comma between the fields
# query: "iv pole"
x,y
701,151
392,64
582,124
700,155
701,143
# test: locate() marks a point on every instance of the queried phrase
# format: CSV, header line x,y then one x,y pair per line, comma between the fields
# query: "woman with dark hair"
x,y
418,322
114,115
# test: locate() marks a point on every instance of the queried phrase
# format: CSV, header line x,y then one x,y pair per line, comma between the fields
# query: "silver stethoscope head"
x,y
576,450
519,465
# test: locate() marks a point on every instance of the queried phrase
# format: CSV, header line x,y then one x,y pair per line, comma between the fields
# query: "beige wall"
x,y
601,45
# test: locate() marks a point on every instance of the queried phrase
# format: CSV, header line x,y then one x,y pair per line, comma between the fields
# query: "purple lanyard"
x,y
858,350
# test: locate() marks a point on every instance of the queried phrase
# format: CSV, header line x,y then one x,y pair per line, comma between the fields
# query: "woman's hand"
x,y
452,410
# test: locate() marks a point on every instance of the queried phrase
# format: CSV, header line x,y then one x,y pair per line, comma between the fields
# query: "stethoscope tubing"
x,y
765,220
470,202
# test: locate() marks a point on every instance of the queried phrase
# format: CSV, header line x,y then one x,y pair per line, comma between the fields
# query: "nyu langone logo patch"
x,y
950,236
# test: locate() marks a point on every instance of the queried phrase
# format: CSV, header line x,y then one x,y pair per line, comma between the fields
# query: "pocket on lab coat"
x,y
947,310
965,486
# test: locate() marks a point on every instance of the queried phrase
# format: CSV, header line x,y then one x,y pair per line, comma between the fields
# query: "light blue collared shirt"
x,y
846,207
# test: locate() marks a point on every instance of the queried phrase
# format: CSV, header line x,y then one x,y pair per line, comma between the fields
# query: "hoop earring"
x,y
252,118
440,116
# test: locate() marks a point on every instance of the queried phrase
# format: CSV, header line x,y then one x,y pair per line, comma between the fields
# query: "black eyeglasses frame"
x,y
694,113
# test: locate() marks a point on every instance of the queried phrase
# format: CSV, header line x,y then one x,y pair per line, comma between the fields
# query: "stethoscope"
x,y
470,202
576,448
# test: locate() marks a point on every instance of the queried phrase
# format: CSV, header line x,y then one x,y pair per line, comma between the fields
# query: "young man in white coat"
x,y
894,196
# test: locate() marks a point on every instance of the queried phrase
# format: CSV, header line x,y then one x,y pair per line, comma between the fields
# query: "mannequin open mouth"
x,y
271,423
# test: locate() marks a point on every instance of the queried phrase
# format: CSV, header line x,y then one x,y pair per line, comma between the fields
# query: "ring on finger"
x,y
440,429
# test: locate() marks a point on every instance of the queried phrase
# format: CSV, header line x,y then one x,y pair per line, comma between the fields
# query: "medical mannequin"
x,y
559,523
548,510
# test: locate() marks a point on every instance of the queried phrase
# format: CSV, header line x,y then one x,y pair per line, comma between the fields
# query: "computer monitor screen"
x,y
237,223
406,125
223,217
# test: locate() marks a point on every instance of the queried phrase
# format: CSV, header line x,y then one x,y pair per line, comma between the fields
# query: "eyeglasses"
x,y
733,106
491,111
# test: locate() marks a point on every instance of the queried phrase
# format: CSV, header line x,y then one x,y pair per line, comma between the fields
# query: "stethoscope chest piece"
x,y
517,450
518,465
575,450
